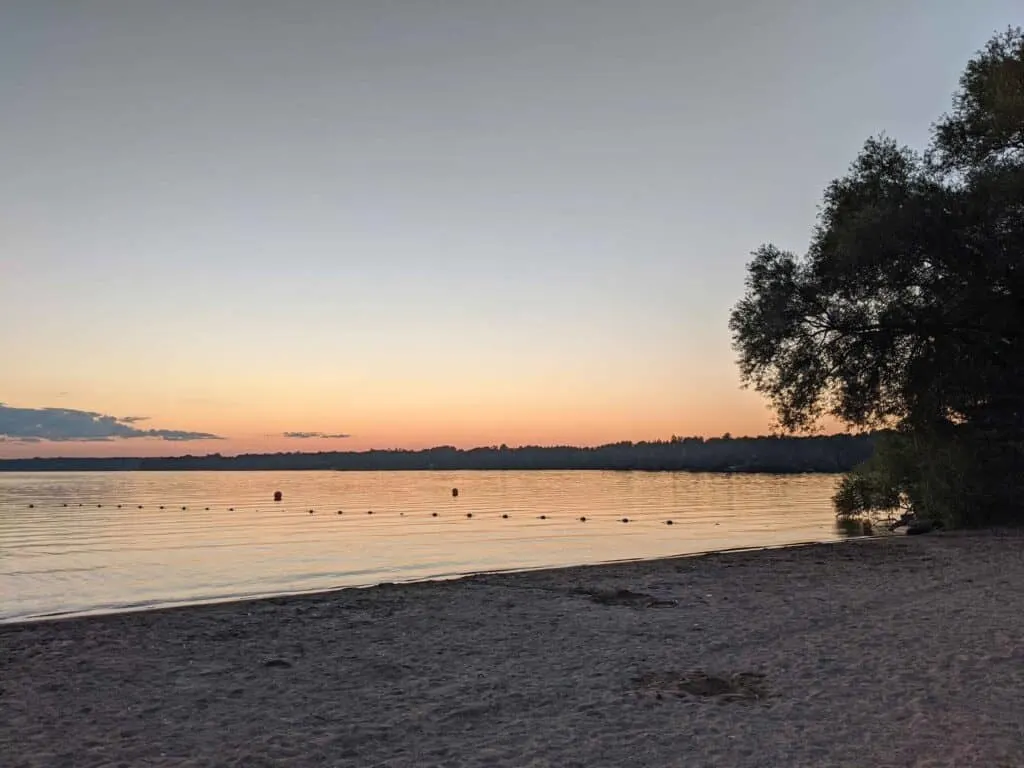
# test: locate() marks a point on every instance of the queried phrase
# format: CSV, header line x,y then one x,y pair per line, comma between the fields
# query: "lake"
x,y
96,542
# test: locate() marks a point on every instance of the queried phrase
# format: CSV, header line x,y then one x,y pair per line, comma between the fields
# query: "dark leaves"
x,y
908,307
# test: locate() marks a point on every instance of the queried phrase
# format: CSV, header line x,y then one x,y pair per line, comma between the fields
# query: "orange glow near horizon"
x,y
586,424
589,401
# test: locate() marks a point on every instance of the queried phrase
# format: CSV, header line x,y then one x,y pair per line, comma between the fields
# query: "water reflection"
x,y
846,526
83,542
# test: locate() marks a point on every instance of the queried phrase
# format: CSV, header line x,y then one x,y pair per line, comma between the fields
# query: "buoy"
x,y
161,506
433,514
469,514
583,519
277,496
455,492
504,517
340,512
311,511
99,505
543,517
369,511
625,519
118,506
183,509
140,506
230,509
668,522
32,506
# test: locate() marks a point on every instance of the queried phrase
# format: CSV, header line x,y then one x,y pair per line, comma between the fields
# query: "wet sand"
x,y
905,651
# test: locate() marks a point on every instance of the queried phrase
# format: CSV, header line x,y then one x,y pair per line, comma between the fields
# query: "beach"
x,y
897,651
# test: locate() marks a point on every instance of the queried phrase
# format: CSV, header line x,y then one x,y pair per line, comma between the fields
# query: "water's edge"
x,y
173,605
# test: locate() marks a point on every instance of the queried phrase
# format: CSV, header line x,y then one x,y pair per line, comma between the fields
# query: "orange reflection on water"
x,y
232,540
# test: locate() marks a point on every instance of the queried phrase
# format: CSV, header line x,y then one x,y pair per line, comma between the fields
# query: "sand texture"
x,y
907,651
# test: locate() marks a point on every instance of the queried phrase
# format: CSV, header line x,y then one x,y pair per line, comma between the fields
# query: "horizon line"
x,y
502,446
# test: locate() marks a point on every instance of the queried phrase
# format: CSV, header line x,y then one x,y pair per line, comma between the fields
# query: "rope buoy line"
x,y
455,492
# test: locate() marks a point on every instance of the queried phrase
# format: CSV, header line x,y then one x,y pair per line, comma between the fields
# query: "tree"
x,y
907,310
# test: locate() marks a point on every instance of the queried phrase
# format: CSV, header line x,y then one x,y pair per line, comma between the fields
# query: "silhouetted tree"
x,y
907,309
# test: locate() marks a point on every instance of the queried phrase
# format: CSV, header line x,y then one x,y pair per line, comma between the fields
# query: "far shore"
x,y
895,651
778,455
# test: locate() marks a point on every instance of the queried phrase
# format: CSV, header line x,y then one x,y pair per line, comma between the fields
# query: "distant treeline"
x,y
833,453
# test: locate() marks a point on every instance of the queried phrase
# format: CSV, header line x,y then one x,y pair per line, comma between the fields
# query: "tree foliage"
x,y
907,309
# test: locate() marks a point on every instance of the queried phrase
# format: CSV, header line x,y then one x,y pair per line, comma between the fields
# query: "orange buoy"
x,y
455,492
278,496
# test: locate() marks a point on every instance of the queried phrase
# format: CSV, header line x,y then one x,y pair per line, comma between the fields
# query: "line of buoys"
x,y
278,497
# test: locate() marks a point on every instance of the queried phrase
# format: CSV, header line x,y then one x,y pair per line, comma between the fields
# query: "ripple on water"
x,y
83,542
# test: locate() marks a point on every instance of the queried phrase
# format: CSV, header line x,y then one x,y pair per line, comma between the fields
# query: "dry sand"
x,y
895,652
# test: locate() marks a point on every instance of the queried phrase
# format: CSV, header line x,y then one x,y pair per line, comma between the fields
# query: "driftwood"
x,y
915,525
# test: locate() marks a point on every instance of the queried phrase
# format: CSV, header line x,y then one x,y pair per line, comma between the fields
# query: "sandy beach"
x,y
904,651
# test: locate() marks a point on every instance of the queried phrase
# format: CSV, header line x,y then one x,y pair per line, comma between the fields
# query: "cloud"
x,y
310,435
32,425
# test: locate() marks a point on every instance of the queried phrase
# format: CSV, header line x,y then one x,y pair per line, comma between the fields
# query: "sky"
x,y
322,225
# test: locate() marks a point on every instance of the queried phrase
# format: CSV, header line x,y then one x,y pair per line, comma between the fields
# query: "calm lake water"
x,y
74,543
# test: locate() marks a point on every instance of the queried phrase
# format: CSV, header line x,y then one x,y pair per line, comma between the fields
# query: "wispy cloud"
x,y
312,435
32,425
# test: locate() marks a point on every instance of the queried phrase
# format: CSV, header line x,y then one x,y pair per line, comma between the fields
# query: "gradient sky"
x,y
424,222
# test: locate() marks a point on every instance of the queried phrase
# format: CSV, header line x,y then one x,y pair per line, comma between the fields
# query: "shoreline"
x,y
885,651
441,471
438,579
